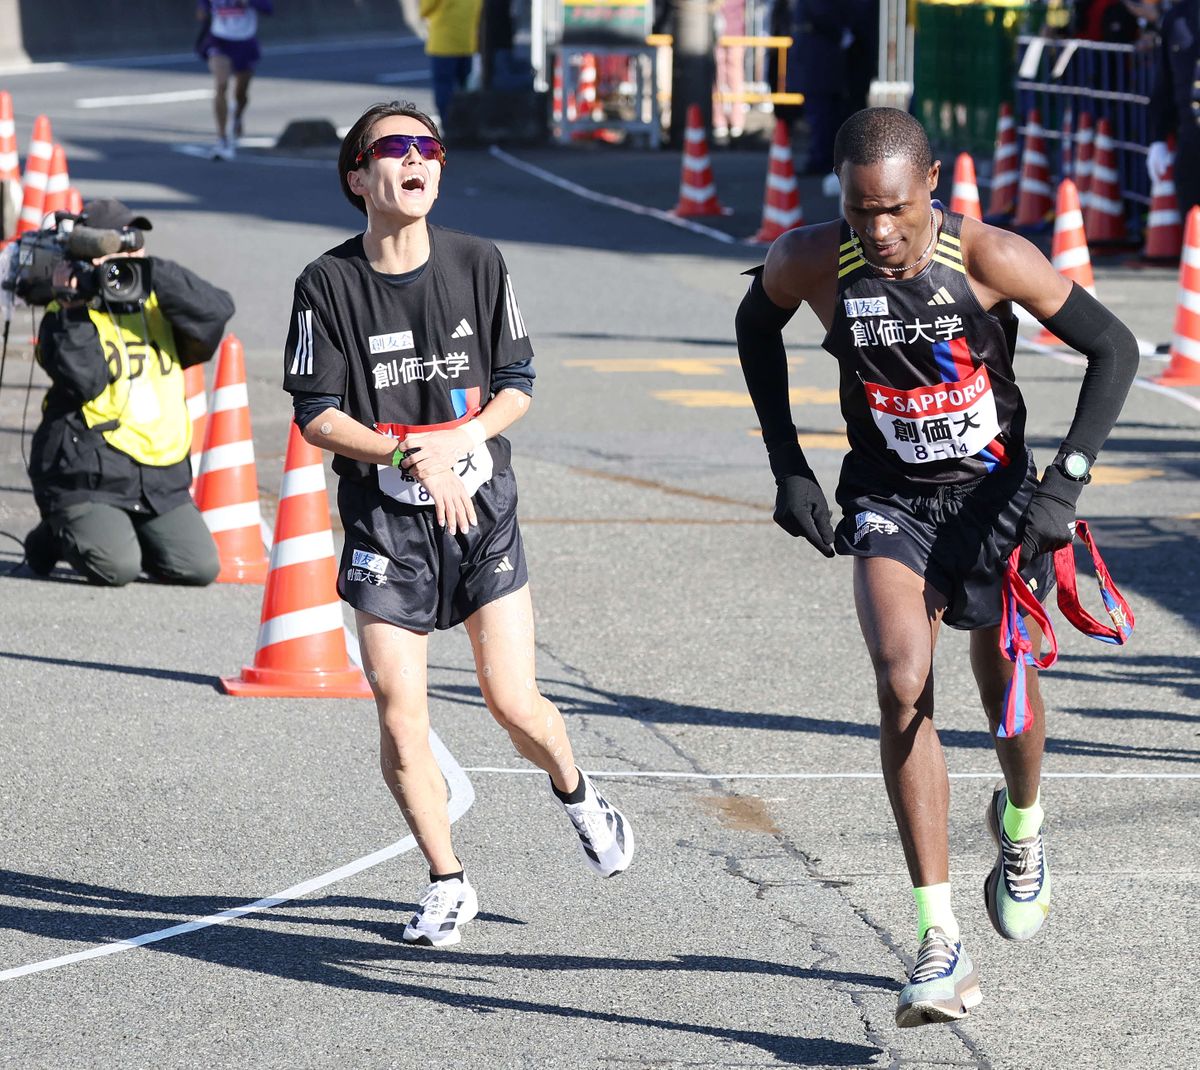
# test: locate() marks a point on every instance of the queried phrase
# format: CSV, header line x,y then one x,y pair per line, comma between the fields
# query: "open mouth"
x,y
413,183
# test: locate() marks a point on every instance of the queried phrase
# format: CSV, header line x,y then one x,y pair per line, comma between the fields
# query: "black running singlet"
x,y
927,386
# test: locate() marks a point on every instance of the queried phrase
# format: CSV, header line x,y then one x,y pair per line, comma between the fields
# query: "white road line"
x,y
667,775
1076,360
462,795
611,202
176,97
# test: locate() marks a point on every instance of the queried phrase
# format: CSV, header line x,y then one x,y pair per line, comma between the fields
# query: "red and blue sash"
x,y
1015,643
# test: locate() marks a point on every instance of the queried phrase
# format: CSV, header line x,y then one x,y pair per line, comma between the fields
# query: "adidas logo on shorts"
x,y
463,330
504,566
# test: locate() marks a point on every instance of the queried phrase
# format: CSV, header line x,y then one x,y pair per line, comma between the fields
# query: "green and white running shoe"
x,y
942,986
1017,891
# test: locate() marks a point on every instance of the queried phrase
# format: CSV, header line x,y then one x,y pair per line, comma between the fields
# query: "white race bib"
x,y
475,469
936,423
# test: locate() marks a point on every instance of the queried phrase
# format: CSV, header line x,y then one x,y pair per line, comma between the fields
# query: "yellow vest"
x,y
145,395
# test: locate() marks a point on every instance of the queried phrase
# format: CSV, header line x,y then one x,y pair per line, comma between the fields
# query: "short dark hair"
x,y
875,134
358,138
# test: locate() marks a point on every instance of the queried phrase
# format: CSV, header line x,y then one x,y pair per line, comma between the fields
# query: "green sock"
x,y
933,908
1023,824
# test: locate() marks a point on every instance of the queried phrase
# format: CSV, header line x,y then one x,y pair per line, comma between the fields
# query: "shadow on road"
x,y
384,966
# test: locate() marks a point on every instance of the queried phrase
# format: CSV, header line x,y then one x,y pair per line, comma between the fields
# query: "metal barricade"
x,y
1108,81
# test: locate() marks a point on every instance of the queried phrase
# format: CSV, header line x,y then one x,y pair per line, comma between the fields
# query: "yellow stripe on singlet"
x,y
955,264
852,254
854,265
950,238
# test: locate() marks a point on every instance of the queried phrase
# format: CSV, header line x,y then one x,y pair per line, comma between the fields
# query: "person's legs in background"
x,y
99,541
177,546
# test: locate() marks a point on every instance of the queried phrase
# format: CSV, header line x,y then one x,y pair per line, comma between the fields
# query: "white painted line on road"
x,y
611,202
666,775
1076,360
204,152
175,97
462,795
301,48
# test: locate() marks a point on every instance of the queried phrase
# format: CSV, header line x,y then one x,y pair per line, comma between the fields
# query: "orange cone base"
x,y
1180,373
280,683
241,571
1045,338
684,209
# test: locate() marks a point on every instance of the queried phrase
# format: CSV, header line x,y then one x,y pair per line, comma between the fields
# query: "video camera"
x,y
27,268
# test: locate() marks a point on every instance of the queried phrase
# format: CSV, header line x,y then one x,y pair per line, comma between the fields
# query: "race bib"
x,y
936,423
475,469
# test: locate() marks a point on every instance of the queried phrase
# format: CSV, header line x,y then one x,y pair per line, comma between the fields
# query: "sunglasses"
x,y
397,145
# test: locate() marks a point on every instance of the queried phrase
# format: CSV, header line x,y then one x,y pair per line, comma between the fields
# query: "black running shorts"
x,y
398,565
957,536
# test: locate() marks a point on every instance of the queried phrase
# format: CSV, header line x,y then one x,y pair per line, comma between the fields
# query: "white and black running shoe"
x,y
605,837
444,909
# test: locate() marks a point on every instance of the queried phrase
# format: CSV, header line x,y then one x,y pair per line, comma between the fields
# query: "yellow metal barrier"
x,y
766,43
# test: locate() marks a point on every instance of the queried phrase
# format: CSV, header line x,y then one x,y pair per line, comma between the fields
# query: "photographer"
x,y
110,461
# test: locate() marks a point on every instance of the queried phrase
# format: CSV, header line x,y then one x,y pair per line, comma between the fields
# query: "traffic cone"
x,y
10,170
226,489
37,175
1034,196
557,94
10,165
964,198
1005,169
1164,226
301,650
197,407
58,185
589,107
1069,251
1065,147
1104,216
1084,142
781,200
74,201
1184,369
697,191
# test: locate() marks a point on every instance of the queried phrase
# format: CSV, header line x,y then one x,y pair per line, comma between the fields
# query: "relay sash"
x,y
1015,643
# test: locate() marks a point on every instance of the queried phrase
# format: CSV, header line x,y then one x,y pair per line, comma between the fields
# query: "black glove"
x,y
1050,518
801,509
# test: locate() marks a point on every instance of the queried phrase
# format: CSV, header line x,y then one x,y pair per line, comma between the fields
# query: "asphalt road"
x,y
710,669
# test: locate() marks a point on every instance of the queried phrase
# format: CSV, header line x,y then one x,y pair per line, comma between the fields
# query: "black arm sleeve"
x,y
1112,362
70,351
759,325
307,407
196,310
517,376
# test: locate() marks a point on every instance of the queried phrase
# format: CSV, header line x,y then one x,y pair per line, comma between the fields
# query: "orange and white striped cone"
x,y
1085,139
589,107
37,176
1164,225
74,201
1104,216
1069,251
197,407
557,94
1034,195
58,186
1005,166
226,488
10,170
781,200
697,190
1184,369
964,197
301,649
1066,149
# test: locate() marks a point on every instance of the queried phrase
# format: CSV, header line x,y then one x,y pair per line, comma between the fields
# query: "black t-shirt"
x,y
406,353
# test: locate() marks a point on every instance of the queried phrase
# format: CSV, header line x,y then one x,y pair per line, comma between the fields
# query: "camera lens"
x,y
120,277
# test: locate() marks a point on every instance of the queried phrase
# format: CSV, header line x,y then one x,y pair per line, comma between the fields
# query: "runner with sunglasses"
x,y
407,357
937,490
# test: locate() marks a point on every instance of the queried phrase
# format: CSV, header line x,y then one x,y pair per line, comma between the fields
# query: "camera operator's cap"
x,y
111,214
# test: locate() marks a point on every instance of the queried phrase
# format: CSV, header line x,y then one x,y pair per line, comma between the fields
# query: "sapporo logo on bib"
x,y
936,423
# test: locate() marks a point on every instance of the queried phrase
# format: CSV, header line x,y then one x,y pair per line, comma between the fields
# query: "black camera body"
x,y
121,281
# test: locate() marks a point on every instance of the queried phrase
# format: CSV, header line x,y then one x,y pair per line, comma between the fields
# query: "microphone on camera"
x,y
88,243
